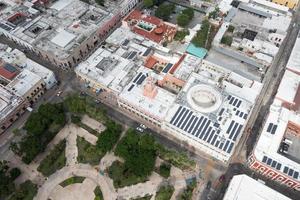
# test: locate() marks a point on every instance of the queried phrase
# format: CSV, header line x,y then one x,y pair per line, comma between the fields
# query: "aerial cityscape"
x,y
149,100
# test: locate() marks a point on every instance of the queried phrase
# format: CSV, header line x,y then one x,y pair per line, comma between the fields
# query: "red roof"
x,y
162,30
6,73
150,62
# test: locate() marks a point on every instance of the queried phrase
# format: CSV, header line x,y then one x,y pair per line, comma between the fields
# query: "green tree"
x,y
189,12
183,20
6,183
200,39
138,152
148,3
109,137
100,2
227,40
164,11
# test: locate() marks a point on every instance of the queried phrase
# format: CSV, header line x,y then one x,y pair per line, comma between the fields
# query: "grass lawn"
x,y
164,193
72,180
180,160
98,193
123,177
26,191
55,160
88,153
89,129
164,170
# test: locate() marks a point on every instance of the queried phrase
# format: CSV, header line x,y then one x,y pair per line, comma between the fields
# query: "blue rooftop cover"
x,y
196,51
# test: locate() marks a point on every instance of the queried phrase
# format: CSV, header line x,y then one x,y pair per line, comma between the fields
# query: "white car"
x,y
139,129
58,93
143,126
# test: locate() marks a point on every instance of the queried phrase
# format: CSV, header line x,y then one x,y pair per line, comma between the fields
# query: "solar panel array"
x,y
276,165
272,128
234,101
202,128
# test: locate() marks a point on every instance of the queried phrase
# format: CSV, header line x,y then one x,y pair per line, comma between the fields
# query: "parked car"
x,y
143,126
139,129
58,93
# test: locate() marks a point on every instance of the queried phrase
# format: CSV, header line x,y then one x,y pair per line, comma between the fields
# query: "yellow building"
x,y
288,3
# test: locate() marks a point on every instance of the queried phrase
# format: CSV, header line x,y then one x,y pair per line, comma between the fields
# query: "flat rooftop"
x,y
134,94
20,61
279,141
211,115
294,60
24,82
288,90
58,28
243,187
8,102
149,26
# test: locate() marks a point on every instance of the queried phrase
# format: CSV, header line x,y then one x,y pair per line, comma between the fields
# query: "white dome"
x,y
204,98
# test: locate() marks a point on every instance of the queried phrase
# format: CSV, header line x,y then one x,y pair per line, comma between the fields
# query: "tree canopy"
x,y
138,152
148,3
164,11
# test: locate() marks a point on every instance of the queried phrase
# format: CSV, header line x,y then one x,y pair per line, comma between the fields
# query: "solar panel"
x,y
273,164
269,127
216,124
231,100
241,114
221,145
230,126
245,116
179,116
197,124
141,80
214,139
132,54
211,136
182,118
229,96
202,124
217,143
239,103
230,147
207,133
167,68
147,52
269,161
235,102
192,125
220,118
186,120
237,132
130,88
291,171
174,117
296,174
237,112
204,129
137,77
274,129
221,111
126,41
278,167
190,121
285,169
226,145
233,130
264,159
196,130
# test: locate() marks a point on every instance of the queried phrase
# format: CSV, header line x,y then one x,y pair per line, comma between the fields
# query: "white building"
x,y
276,154
243,187
211,110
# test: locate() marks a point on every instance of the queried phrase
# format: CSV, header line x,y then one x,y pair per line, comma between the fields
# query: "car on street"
x,y
58,93
139,129
143,126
